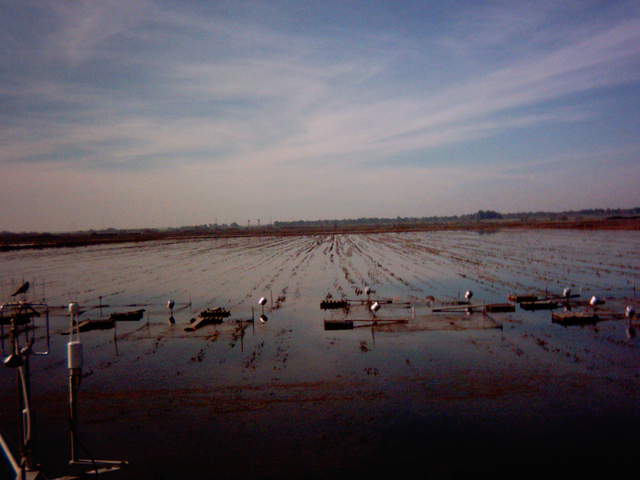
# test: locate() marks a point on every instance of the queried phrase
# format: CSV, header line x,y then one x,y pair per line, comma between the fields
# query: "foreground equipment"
x,y
20,318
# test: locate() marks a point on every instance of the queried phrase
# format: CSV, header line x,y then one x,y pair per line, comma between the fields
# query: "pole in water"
x,y
74,364
170,305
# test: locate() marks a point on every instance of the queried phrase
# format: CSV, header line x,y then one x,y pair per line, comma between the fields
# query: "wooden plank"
x,y
88,325
539,305
333,304
525,297
201,322
500,307
575,318
338,325
133,315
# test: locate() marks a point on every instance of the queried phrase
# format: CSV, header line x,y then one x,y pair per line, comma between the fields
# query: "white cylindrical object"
x,y
594,301
566,292
468,294
170,304
73,308
74,354
375,307
262,301
629,312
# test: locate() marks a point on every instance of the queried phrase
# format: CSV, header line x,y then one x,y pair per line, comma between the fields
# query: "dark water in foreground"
x,y
448,393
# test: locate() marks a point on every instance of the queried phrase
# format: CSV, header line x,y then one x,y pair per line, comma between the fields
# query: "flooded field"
x,y
450,391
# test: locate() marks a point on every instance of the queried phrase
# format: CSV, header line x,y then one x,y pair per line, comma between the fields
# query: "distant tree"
x,y
488,215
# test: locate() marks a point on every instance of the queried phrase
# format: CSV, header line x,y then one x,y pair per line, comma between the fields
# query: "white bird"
x,y
629,312
566,293
468,294
594,301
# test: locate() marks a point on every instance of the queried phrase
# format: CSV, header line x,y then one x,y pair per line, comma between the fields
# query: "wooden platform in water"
x,y
575,318
201,322
338,325
539,305
500,307
334,304
133,315
526,297
421,323
88,325
210,316
489,307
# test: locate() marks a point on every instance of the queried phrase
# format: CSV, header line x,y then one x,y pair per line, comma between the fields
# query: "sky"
x,y
153,113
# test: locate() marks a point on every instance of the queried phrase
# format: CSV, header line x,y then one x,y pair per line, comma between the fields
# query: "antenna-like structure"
x,y
16,315
74,364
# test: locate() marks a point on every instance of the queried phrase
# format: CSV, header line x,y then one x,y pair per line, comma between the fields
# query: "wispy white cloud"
x,y
85,26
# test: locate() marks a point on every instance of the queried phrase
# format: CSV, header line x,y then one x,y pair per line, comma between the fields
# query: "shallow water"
x,y
449,392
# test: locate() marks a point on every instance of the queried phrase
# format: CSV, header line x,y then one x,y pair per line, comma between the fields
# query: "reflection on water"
x,y
402,380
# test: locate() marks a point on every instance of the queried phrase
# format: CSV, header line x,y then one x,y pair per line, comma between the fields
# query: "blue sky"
x,y
163,113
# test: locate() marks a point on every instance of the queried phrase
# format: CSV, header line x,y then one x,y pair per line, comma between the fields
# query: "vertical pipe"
x,y
73,414
48,334
9,455
26,447
74,364
115,337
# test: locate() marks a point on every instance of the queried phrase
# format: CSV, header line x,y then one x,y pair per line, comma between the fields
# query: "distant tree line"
x,y
480,215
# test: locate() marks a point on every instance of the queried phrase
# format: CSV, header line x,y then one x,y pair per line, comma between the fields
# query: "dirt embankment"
x,y
9,242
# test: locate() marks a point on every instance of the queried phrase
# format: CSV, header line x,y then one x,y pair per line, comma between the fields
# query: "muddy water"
x,y
450,393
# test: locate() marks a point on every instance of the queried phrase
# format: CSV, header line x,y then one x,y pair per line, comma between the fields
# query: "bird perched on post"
x,y
21,289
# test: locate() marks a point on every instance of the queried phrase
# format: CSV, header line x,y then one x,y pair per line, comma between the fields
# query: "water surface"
x,y
286,398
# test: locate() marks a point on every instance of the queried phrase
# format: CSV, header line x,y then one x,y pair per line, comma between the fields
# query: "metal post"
x,y
74,377
26,453
7,452
74,364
